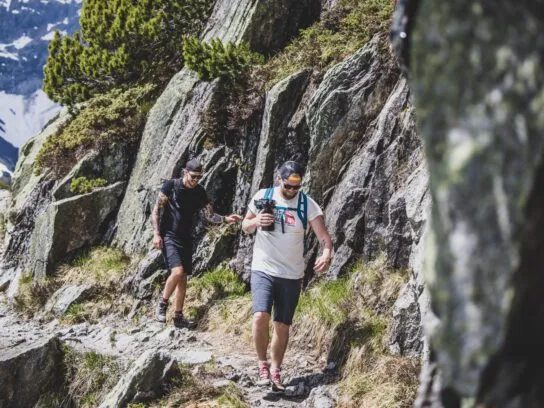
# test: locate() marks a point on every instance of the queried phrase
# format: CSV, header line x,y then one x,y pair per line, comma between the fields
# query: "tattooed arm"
x,y
155,219
213,217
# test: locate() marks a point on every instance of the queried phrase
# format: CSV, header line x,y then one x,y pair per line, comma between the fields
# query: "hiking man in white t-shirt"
x,y
278,263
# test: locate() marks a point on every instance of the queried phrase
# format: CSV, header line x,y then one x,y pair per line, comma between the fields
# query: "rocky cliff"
x,y
353,127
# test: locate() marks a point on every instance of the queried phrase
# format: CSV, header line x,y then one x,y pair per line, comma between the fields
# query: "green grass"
x,y
74,314
231,398
222,281
341,32
327,301
33,294
100,265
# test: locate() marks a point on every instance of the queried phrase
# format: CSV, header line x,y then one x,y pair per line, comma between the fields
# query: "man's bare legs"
x,y
260,334
280,339
176,280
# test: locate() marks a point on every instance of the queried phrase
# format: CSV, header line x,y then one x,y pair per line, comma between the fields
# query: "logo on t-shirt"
x,y
289,219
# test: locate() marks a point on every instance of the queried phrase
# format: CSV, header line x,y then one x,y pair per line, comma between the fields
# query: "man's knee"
x,y
178,274
261,318
281,328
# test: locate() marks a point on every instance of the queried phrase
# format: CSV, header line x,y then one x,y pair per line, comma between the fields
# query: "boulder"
x,y
147,267
63,298
70,224
142,382
320,397
29,370
111,165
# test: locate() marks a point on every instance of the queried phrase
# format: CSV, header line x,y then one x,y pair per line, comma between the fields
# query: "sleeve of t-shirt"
x,y
167,188
314,210
251,206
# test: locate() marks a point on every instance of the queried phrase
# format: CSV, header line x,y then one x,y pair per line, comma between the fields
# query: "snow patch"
x,y
5,3
9,55
22,42
25,116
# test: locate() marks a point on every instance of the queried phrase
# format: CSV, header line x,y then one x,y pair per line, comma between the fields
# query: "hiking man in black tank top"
x,y
180,199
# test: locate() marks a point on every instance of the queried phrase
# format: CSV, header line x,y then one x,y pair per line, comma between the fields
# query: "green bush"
x,y
83,185
215,60
341,32
121,42
116,117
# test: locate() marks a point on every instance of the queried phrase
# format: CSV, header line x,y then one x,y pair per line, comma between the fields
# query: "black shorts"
x,y
268,290
177,253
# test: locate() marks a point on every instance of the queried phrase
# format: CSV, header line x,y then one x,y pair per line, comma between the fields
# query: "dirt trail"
x,y
232,358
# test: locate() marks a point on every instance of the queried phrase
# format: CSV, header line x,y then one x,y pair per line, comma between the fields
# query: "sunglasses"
x,y
291,187
195,177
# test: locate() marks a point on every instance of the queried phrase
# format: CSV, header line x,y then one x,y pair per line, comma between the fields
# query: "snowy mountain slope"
x,y
26,27
25,116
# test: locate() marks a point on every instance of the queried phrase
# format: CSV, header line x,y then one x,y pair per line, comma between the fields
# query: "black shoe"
x,y
181,323
160,311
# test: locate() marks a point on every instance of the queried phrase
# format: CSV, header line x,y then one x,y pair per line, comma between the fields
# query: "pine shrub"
x,y
215,60
121,42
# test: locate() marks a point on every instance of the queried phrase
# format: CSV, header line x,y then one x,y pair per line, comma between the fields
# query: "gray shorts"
x,y
283,294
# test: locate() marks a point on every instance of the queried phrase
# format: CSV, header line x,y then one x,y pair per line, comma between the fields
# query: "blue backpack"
x,y
301,210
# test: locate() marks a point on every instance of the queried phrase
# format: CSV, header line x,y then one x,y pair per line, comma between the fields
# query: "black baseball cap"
x,y
194,165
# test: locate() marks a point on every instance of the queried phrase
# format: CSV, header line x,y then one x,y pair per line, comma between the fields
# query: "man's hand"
x,y
233,218
322,263
157,241
264,220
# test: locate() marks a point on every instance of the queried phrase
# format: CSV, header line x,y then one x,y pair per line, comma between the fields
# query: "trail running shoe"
x,y
277,385
264,373
181,323
160,311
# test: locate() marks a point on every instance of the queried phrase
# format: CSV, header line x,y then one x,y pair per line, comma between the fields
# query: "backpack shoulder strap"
x,y
269,193
302,209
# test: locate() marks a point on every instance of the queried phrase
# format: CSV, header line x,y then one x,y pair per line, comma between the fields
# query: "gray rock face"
x,y
266,26
175,127
476,69
63,298
406,331
70,224
362,152
112,165
281,103
29,370
31,195
142,382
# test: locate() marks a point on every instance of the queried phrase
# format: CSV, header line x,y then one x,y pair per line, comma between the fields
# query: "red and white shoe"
x,y
264,373
275,377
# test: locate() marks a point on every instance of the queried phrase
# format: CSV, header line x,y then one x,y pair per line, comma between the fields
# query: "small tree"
x,y
121,42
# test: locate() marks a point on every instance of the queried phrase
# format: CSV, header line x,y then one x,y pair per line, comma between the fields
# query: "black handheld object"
x,y
266,206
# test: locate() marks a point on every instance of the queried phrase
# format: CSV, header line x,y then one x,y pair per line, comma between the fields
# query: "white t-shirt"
x,y
277,253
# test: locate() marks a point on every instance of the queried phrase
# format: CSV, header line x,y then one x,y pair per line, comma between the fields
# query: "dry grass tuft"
x,y
33,294
90,376
347,321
